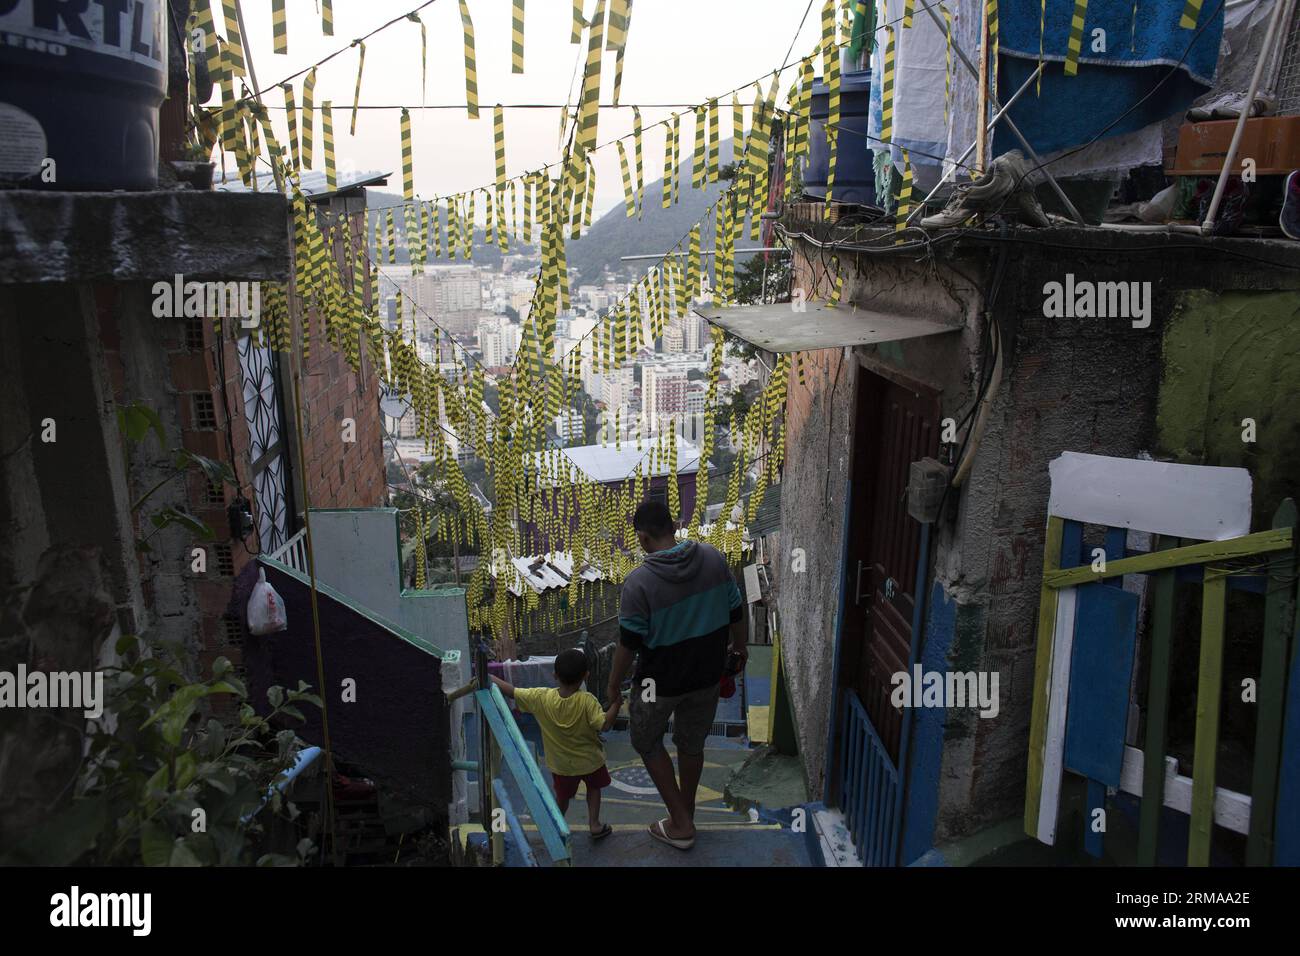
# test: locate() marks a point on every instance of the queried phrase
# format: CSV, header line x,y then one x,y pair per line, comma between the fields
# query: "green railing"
x,y
1086,654
502,747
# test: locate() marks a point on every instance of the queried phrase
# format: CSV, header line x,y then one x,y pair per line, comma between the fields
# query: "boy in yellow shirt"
x,y
570,719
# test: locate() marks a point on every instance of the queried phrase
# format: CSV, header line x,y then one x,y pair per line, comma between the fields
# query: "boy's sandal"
x,y
658,831
603,832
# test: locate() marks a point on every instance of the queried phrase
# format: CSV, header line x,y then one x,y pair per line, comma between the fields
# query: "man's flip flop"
x,y
659,833
603,832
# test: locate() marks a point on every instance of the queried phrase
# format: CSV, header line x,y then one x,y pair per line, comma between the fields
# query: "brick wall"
x,y
178,378
340,474
171,365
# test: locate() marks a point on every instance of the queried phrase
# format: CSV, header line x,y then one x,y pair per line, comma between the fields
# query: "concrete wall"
x,y
357,554
814,486
1086,385
1226,358
78,338
67,572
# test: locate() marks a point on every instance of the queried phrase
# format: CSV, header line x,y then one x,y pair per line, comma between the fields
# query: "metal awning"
x,y
779,328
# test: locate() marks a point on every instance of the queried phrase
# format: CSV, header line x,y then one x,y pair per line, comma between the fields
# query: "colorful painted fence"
x,y
503,747
1087,651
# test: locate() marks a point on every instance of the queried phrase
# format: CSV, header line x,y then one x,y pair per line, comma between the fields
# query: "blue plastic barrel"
x,y
80,86
855,179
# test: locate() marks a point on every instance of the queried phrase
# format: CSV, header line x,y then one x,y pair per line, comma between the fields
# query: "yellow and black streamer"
x,y
499,142
408,157
327,130
356,94
1075,43
517,37
279,28
308,108
471,67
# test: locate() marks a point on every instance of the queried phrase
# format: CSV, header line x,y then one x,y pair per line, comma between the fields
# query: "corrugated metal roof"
x,y
780,328
768,517
313,182
545,572
604,463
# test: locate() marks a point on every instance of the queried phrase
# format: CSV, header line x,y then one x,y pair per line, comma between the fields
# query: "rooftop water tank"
x,y
80,87
855,180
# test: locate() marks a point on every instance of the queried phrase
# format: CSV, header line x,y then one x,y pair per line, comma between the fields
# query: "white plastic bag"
x,y
265,608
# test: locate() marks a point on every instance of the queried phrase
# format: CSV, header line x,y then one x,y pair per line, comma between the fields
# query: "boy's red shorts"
x,y
566,787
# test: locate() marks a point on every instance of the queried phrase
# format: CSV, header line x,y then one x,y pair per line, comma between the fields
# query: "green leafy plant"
x,y
160,786
136,421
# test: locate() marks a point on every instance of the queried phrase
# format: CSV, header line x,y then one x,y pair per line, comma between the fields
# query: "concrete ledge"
x,y
50,237
1184,260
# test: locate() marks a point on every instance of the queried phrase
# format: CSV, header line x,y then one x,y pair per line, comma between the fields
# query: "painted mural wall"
x,y
1229,358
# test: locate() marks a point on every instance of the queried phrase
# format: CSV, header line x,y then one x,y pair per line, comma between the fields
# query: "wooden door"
x,y
895,425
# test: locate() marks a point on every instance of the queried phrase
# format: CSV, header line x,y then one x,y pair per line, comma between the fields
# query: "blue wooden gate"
x,y
868,785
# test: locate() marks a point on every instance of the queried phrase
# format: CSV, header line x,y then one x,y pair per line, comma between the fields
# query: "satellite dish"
x,y
393,404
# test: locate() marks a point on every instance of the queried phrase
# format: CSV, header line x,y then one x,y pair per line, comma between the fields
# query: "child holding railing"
x,y
571,719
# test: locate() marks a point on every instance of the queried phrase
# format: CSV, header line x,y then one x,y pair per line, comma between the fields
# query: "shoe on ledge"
x,y
1004,188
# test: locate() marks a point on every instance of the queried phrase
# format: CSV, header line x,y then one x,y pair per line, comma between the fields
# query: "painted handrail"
x,y
512,820
293,552
528,777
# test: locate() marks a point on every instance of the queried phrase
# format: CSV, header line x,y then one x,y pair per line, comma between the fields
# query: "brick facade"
x,y
186,392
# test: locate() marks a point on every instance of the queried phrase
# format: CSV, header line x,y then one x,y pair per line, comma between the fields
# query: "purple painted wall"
x,y
396,729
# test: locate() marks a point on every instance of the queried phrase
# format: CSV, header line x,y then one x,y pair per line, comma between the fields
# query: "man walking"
x,y
678,613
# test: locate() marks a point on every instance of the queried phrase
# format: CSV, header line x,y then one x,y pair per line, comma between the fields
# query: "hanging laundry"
x,y
918,124
1122,58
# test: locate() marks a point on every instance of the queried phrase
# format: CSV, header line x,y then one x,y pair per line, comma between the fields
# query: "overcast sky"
x,y
678,52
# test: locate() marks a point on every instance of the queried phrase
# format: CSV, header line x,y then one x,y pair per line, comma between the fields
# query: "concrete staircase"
x,y
631,805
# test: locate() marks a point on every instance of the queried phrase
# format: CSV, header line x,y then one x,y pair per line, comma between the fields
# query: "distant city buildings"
x,y
498,340
663,395
616,388
569,426
654,393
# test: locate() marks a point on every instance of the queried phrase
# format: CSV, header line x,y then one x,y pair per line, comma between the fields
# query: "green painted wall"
x,y
1228,357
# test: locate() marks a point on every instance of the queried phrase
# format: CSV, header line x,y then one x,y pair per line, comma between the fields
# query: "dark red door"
x,y
895,426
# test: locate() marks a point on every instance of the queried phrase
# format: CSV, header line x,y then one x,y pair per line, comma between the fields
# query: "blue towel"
x,y
1073,110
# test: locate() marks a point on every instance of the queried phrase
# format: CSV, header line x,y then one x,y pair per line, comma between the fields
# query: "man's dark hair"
x,y
654,518
571,666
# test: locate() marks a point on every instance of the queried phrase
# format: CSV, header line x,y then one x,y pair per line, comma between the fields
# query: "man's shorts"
x,y
692,715
566,786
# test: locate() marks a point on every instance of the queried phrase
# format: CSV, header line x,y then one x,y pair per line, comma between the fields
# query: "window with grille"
x,y
205,411
231,631
225,560
194,333
215,493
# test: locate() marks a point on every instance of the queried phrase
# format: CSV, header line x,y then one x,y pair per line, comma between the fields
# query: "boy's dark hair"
x,y
571,666
654,518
